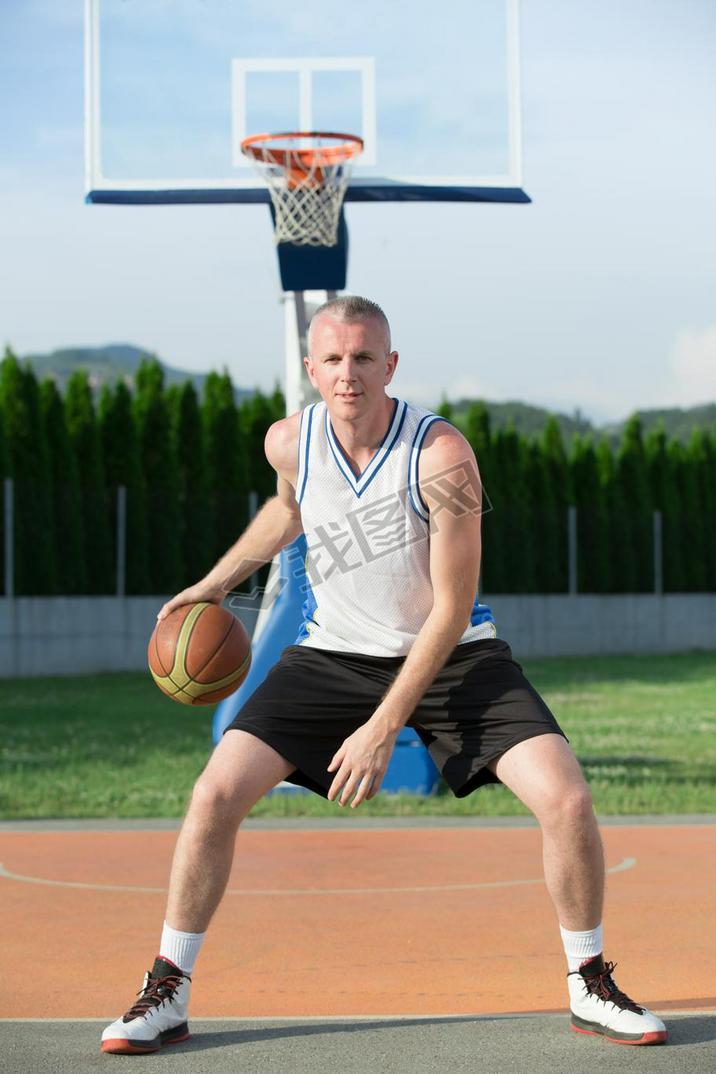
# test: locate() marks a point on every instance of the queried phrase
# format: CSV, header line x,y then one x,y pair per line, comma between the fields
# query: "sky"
x,y
600,296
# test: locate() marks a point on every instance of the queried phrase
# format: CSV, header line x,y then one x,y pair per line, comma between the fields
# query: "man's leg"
x,y
240,771
544,774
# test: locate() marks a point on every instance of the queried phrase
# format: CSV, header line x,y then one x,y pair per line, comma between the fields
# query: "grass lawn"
x,y
114,746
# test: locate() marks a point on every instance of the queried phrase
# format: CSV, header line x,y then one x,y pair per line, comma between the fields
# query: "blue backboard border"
x,y
358,191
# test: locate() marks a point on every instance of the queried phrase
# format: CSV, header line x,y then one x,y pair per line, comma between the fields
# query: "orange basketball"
x,y
199,654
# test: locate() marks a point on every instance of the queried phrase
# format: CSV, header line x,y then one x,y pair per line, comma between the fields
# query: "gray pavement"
x,y
526,1044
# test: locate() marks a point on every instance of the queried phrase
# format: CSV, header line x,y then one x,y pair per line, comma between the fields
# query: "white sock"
x,y
581,946
181,948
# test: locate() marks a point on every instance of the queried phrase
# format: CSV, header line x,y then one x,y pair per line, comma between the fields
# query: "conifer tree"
x,y
172,394
120,450
278,402
705,451
196,534
557,467
621,550
592,533
3,475
161,479
543,530
84,436
632,474
691,516
665,498
275,412
44,575
227,463
446,409
479,436
70,542
513,504
700,460
675,456
256,415
27,463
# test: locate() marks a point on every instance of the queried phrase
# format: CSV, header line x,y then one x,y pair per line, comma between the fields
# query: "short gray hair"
x,y
351,308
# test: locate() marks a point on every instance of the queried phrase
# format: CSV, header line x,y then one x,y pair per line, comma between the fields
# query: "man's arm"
x,y
450,486
276,525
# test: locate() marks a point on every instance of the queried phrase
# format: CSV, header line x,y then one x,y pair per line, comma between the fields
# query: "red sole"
x,y
125,1047
648,1038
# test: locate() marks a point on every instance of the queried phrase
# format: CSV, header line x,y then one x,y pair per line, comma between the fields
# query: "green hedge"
x,y
188,464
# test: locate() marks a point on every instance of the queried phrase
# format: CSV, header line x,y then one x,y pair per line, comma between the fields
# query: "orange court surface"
x,y
353,920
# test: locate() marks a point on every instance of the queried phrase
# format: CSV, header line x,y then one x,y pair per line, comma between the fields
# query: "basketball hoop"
x,y
307,174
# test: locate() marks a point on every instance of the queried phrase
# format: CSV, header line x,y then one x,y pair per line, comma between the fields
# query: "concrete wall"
x,y
638,623
74,635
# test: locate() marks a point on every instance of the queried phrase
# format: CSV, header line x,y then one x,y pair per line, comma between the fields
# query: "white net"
x,y
307,176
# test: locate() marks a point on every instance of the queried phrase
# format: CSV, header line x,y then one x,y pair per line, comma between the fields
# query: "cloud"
x,y
692,364
429,393
473,388
418,392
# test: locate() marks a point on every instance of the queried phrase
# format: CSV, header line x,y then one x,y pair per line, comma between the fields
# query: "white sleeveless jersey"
x,y
367,584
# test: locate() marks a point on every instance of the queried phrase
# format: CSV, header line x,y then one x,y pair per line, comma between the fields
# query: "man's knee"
x,y
240,771
570,804
215,797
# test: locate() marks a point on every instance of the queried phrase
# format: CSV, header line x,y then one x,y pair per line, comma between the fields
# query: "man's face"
x,y
350,364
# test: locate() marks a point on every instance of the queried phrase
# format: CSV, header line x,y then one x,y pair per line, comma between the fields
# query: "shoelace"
x,y
603,985
157,989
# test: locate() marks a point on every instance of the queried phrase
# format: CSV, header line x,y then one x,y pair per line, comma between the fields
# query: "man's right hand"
x,y
201,591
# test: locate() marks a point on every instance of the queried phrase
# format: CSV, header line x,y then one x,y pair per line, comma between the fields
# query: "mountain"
x,y
530,420
119,361
105,365
678,422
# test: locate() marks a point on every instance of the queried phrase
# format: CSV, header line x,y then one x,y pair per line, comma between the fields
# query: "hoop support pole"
x,y
298,310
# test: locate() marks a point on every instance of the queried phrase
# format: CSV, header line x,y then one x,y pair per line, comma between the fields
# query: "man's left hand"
x,y
361,763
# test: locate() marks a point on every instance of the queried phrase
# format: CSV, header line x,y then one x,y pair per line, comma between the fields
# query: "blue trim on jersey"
x,y
480,613
390,447
308,610
414,506
349,476
335,446
413,469
308,445
430,423
360,484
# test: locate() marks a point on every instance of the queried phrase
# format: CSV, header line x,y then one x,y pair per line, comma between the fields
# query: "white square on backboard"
x,y
362,66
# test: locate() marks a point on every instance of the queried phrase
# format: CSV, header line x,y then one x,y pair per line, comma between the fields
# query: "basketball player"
x,y
388,496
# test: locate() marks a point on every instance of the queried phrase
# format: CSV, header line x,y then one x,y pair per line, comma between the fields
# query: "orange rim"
x,y
349,146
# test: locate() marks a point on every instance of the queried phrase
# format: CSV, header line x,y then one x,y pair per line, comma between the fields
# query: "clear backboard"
x,y
173,86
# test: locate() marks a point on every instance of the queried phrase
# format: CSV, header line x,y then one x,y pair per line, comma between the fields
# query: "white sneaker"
x,y
158,1017
599,1007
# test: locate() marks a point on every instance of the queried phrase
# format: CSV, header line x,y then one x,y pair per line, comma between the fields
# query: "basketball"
x,y
199,654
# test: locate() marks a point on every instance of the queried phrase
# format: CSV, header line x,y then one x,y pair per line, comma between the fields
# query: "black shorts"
x,y
479,705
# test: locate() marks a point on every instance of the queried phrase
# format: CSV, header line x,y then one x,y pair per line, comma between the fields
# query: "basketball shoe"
x,y
158,1017
599,1007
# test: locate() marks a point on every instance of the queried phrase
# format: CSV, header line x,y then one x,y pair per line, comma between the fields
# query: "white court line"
x,y
626,863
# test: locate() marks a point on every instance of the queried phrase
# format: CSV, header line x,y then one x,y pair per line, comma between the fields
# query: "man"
x,y
389,498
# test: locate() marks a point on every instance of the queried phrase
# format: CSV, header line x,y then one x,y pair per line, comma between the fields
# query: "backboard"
x,y
172,87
